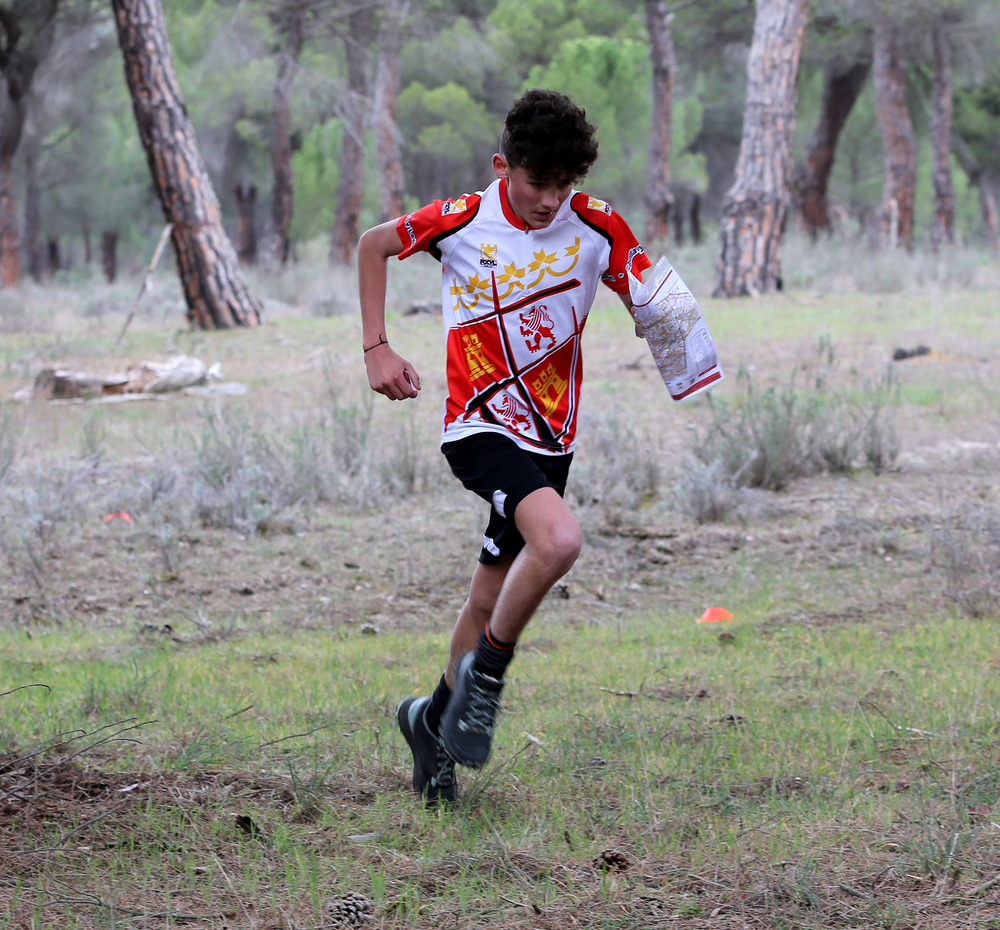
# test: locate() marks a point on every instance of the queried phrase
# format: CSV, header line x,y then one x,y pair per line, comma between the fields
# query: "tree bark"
x,y
943,223
54,255
27,30
214,288
900,150
246,223
388,149
33,215
677,220
988,207
755,208
290,22
350,187
109,255
10,237
841,86
659,196
694,215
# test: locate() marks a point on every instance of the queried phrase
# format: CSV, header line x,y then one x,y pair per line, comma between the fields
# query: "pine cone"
x,y
611,860
348,910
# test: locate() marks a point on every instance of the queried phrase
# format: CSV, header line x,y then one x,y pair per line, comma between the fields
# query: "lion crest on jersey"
x,y
512,413
536,325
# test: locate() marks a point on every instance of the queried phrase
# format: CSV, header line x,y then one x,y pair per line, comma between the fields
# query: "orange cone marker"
x,y
714,615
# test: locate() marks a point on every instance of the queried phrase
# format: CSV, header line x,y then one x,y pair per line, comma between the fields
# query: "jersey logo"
x,y
513,278
633,254
488,252
408,226
550,387
594,204
454,206
536,325
475,357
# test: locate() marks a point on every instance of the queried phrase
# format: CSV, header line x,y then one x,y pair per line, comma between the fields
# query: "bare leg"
x,y
506,595
487,581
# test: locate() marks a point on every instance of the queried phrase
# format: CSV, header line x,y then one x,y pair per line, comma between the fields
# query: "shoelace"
x,y
444,777
483,707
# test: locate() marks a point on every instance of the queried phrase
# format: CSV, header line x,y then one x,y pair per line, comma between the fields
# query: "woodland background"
x,y
211,600
288,99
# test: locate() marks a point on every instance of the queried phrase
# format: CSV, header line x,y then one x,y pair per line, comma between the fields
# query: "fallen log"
x,y
176,374
64,383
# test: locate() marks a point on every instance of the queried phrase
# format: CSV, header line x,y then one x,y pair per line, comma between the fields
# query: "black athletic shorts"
x,y
503,474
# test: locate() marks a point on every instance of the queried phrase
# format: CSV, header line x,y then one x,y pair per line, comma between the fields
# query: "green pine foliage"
x,y
93,176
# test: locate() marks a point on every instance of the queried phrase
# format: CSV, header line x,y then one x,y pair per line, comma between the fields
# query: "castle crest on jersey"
x,y
518,367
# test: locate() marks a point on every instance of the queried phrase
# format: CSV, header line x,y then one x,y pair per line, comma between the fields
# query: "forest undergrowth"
x,y
211,604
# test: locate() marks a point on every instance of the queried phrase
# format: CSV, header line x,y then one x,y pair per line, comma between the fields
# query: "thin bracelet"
x,y
382,341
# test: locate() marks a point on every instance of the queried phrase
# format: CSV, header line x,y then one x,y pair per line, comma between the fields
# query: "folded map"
x,y
676,332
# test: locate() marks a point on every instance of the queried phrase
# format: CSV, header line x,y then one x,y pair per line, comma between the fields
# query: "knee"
x,y
560,548
479,607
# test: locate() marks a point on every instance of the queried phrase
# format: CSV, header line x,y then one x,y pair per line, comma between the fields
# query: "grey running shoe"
x,y
433,768
469,719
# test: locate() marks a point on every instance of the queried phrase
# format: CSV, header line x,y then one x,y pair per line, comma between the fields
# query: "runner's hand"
x,y
391,374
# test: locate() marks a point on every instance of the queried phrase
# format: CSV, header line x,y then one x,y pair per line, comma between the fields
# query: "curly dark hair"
x,y
546,133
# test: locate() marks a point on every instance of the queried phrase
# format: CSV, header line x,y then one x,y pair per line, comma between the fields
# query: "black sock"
x,y
435,709
492,655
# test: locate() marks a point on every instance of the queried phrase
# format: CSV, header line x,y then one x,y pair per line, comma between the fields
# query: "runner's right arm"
x,y
388,372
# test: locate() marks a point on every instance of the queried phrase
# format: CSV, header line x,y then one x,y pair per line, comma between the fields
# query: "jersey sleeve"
x,y
627,255
423,229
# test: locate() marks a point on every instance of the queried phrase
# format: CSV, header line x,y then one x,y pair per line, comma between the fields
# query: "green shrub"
x,y
766,438
965,554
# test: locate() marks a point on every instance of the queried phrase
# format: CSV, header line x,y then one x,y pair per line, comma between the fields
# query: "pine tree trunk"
x,y
10,235
388,150
659,196
213,284
841,87
347,207
277,244
246,223
32,211
755,208
27,32
54,255
695,219
943,224
900,151
980,179
988,207
109,255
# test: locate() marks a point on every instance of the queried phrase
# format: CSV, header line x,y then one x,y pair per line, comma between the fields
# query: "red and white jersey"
x,y
514,302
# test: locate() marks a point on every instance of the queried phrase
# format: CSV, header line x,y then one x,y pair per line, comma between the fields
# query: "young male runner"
x,y
521,263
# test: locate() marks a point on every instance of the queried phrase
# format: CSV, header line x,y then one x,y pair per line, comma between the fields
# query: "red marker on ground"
x,y
715,614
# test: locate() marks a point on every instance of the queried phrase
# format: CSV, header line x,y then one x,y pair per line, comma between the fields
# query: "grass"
x,y
683,753
196,708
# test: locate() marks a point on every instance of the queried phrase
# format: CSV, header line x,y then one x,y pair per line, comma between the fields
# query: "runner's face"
x,y
534,200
